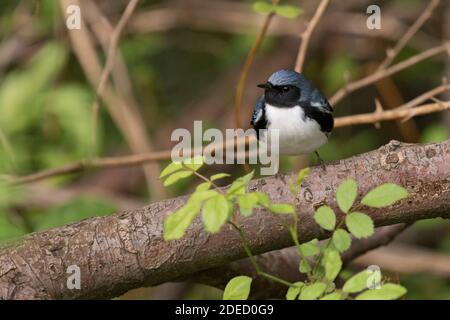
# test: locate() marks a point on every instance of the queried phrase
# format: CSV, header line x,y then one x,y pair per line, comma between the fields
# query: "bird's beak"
x,y
266,85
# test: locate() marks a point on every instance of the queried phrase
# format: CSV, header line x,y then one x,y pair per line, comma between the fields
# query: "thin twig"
x,y
246,68
111,57
374,77
394,114
306,35
392,53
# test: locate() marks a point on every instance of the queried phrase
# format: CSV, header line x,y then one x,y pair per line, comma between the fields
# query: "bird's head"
x,y
285,88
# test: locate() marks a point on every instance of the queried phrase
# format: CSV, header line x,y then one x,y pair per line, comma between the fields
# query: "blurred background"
x,y
180,61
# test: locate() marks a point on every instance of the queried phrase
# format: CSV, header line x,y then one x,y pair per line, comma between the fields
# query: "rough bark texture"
x,y
126,250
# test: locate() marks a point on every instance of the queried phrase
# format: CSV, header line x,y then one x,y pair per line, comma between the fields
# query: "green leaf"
x,y
239,185
294,291
312,291
215,213
346,194
384,195
333,296
388,291
287,11
358,282
309,249
203,186
176,223
237,288
246,203
263,199
301,176
176,177
281,208
194,163
171,168
219,176
359,224
304,266
341,240
332,264
325,217
263,7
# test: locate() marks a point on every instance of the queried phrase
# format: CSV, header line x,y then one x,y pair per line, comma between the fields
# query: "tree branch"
x,y
126,250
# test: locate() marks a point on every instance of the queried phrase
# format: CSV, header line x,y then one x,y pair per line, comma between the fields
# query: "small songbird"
x,y
296,108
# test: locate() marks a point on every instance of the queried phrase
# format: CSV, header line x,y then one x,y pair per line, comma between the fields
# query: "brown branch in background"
x,y
374,77
139,159
110,59
306,35
126,250
407,259
393,52
394,114
129,123
246,68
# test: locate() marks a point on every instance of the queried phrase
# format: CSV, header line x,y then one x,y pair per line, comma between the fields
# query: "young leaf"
x,y
304,266
325,217
263,7
239,185
301,176
263,199
332,264
341,240
219,176
176,177
237,288
287,11
203,186
215,213
384,195
388,291
358,282
194,163
333,296
171,168
309,249
312,291
176,223
282,208
359,224
346,194
246,203
294,291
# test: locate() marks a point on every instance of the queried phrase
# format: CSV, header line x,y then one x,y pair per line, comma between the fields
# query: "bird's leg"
x,y
320,161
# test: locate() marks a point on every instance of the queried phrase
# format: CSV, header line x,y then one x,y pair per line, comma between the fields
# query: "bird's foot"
x,y
320,161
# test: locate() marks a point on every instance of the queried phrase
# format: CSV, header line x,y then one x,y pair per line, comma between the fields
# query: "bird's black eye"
x,y
285,89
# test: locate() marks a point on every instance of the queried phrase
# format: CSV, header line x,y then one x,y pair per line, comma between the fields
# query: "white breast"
x,y
297,133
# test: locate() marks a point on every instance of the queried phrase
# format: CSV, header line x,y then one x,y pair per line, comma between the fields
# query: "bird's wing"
x,y
319,109
319,101
258,118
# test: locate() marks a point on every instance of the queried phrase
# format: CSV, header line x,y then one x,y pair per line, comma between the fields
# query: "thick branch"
x,y
126,250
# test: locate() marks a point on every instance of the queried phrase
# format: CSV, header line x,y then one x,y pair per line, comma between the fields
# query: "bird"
x,y
294,106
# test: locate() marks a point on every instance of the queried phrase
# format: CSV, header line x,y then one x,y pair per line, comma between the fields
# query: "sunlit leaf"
x,y
384,195
388,291
346,194
215,213
312,291
359,224
237,288
294,290
325,217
